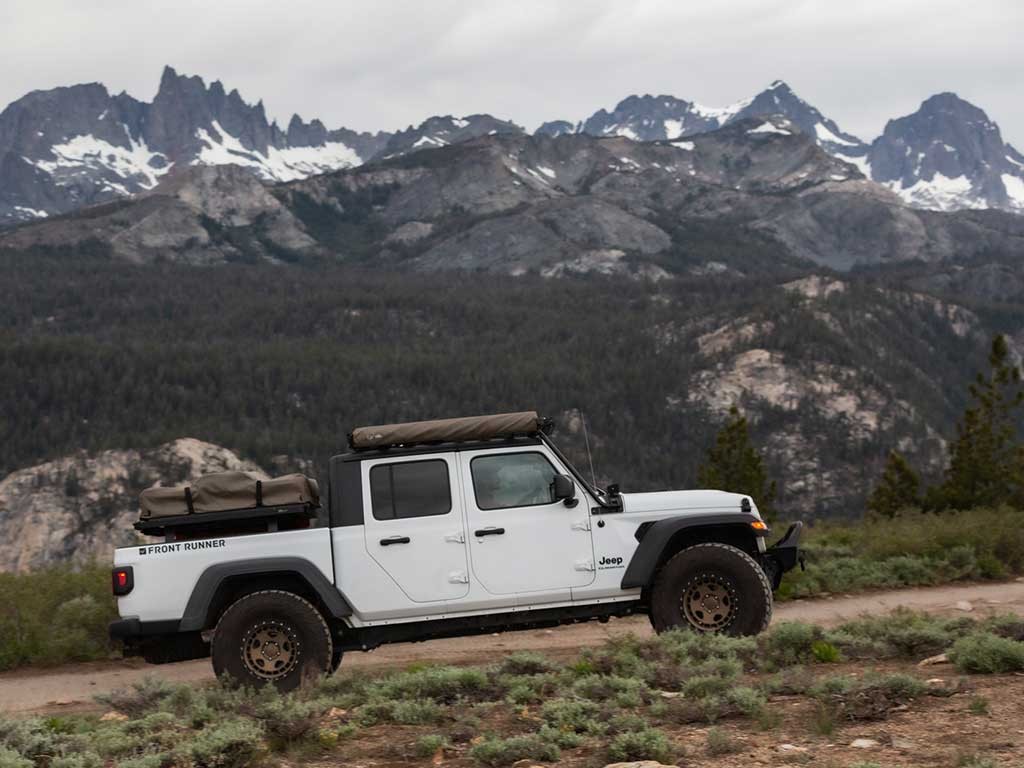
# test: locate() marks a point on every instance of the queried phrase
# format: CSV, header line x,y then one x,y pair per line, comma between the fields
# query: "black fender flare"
x,y
214,576
654,537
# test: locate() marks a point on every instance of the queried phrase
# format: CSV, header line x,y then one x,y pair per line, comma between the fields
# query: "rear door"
x,y
414,526
522,541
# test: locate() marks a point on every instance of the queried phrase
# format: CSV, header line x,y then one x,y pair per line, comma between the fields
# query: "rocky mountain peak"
x,y
440,131
948,154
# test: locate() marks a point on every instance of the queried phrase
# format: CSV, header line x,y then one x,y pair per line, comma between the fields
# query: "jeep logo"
x,y
610,562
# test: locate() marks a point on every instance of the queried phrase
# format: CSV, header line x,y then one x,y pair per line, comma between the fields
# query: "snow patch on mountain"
x,y
825,135
673,129
723,114
87,153
288,164
1014,189
939,193
770,128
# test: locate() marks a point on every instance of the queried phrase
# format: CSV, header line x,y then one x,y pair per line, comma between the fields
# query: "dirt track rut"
x,y
72,687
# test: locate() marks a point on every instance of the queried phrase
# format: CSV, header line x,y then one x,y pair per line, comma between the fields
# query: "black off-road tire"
x,y
336,658
712,588
272,637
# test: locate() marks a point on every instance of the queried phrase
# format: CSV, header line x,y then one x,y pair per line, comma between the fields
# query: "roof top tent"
x,y
467,429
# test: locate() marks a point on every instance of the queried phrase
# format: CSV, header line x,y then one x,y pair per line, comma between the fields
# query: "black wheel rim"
x,y
270,649
709,603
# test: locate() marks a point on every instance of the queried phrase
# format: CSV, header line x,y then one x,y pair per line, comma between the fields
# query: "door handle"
x,y
489,532
395,540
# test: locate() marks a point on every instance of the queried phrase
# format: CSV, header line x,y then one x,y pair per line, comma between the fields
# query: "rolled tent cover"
x,y
447,430
228,490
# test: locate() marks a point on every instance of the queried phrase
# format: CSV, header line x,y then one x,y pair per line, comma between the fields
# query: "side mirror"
x,y
565,490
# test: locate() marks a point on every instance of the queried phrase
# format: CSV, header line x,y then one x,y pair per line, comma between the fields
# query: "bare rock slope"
x,y
79,508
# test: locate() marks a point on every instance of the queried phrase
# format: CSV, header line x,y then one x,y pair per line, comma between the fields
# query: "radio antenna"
x,y
586,440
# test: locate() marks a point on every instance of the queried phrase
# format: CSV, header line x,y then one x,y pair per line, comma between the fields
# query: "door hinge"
x,y
585,565
458,577
456,538
582,525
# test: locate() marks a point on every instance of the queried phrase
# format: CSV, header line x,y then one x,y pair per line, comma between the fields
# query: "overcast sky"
x,y
384,64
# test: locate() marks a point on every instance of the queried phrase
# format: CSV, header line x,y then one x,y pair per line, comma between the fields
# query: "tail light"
x,y
122,580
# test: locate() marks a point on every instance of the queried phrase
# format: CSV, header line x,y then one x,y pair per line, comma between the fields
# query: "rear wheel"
x,y
712,587
272,637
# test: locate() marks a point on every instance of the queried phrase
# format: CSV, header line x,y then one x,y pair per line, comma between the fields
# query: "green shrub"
x,y
144,696
825,652
902,634
495,751
561,739
402,712
79,602
443,685
11,759
524,663
788,644
428,746
227,744
527,689
647,744
81,760
721,742
871,697
576,715
747,701
285,718
987,654
622,691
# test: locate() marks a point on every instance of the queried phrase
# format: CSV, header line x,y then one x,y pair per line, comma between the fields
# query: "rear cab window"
x,y
410,489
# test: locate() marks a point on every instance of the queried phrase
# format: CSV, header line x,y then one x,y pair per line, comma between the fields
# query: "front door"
x,y
415,527
521,539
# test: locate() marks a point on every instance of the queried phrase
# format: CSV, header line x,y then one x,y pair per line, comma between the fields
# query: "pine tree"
x,y
985,460
898,489
733,464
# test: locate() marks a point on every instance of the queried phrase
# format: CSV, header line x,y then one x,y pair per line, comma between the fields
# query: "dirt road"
x,y
72,687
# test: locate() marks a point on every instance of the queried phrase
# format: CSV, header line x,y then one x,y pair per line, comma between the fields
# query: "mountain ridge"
x,y
74,146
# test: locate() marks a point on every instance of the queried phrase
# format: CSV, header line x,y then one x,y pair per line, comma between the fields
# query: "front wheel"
x,y
712,587
272,637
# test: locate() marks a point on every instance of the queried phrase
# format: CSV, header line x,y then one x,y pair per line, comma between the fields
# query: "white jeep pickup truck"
x,y
437,529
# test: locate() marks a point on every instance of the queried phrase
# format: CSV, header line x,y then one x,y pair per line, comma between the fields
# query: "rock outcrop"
x,y
79,508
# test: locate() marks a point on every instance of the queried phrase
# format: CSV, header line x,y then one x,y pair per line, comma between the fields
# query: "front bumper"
x,y
785,555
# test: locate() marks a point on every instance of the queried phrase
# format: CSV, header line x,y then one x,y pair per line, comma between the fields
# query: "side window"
x,y
505,480
410,489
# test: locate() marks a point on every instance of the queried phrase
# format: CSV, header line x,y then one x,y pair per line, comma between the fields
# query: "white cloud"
x,y
389,63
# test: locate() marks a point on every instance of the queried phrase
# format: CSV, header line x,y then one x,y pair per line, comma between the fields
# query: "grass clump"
x,y
646,744
987,653
497,751
978,705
